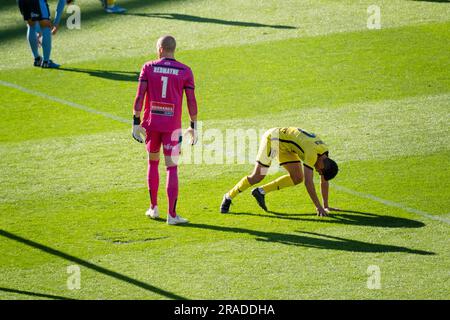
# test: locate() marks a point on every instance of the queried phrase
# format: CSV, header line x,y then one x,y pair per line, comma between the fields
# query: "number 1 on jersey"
x,y
164,86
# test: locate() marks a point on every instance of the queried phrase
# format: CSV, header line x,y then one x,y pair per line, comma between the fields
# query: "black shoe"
x,y
49,65
37,62
225,206
260,198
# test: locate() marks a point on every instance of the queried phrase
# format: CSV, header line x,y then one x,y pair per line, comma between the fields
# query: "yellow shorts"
x,y
269,150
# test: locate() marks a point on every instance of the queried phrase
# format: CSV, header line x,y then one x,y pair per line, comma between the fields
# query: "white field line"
x,y
64,102
391,203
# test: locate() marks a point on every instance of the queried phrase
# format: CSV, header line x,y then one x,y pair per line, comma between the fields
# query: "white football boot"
x,y
152,213
176,220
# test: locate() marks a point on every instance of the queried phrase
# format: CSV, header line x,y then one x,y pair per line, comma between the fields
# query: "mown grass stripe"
x,y
89,265
64,102
391,203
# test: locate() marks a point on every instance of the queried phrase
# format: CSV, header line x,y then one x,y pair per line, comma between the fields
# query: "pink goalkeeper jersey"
x,y
166,80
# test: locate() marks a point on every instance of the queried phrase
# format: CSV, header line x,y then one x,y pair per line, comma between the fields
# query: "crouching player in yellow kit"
x,y
292,146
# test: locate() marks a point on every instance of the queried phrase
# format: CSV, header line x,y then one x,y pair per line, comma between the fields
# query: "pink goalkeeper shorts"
x,y
171,142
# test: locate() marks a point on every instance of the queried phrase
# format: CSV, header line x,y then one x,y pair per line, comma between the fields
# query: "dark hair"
x,y
330,169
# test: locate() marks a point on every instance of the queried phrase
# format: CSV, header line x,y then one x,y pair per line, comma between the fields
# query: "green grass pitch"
x,y
73,181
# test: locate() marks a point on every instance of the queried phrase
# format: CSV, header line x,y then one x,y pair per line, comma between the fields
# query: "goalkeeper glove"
x,y
138,132
192,131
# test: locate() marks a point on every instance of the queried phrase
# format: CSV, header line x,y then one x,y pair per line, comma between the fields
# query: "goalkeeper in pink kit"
x,y
162,83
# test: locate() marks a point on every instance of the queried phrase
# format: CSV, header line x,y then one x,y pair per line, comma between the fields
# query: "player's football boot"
x,y
260,198
152,213
37,62
176,220
49,65
225,206
115,9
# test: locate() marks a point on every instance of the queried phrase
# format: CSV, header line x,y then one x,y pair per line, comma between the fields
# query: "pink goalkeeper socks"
x,y
171,185
153,181
172,189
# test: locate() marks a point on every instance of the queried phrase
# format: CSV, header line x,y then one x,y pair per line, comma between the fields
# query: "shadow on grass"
x,y
34,294
6,4
97,13
197,19
91,266
94,13
106,74
313,240
348,217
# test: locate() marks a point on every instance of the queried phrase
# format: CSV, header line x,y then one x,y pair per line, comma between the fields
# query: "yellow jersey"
x,y
307,146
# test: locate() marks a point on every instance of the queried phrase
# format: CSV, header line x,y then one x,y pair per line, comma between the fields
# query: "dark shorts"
x,y
35,10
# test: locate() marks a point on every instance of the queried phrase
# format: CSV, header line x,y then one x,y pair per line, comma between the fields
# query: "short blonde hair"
x,y
168,43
